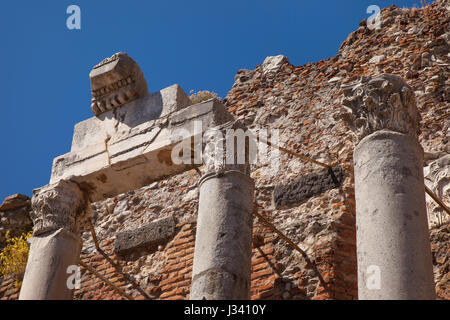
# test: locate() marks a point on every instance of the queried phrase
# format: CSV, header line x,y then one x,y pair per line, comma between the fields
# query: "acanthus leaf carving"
x,y
59,206
383,102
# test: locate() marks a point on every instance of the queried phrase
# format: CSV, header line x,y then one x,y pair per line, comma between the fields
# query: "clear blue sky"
x,y
44,84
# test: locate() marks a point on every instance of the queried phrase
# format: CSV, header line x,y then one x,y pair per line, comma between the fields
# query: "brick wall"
x,y
8,290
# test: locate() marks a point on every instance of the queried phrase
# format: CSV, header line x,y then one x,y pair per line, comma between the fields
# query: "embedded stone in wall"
x,y
306,187
148,236
273,64
437,178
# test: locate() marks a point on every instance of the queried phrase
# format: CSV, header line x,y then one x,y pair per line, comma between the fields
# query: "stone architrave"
x,y
59,212
393,245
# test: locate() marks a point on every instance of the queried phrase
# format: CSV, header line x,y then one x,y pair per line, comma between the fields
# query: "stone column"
x,y
58,210
393,245
223,246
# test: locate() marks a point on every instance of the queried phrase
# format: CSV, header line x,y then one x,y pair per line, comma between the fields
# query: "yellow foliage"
x,y
13,258
201,96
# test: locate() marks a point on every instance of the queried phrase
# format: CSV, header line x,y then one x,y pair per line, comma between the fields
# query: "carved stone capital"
x,y
383,102
116,81
59,206
218,152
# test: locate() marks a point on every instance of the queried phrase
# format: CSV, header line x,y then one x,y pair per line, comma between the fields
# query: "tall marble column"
x,y
393,246
58,211
223,245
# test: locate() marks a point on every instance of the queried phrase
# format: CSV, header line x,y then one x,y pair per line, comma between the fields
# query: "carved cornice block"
x,y
380,102
116,81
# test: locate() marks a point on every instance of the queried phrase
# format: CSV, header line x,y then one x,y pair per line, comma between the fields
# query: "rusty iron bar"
x,y
438,201
109,283
97,246
295,154
292,244
94,236
274,229
430,193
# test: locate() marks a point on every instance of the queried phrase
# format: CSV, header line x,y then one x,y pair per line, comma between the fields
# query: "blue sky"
x,y
44,84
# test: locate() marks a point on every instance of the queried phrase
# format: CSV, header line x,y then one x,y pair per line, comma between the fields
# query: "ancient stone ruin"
x,y
356,207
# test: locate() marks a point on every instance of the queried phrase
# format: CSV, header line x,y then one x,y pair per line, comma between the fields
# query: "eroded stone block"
x,y
437,178
146,237
306,187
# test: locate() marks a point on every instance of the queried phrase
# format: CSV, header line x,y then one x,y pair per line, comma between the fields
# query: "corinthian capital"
x,y
381,102
59,206
225,149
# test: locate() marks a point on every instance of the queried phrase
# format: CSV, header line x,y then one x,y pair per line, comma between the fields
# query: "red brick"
x,y
177,255
110,270
260,266
167,294
102,266
325,296
180,241
171,280
174,267
185,270
261,273
187,257
262,295
187,226
176,298
266,287
258,260
96,257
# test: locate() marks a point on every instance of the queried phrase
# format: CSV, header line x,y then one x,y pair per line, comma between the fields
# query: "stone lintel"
x,y
134,157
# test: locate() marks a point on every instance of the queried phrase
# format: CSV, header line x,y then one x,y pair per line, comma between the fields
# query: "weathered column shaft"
x,y
56,244
223,247
393,245
391,219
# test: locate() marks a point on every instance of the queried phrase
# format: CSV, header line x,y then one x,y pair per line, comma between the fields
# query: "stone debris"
x,y
14,201
15,217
